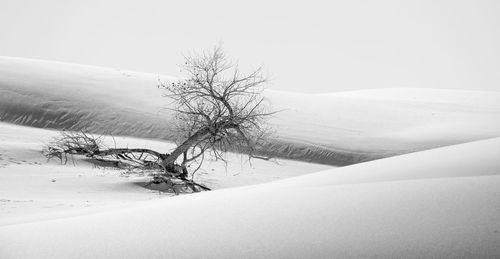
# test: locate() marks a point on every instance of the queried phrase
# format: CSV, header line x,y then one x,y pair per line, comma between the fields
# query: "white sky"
x,y
311,46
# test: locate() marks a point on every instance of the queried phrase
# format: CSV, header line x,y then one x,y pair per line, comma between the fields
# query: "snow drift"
x,y
337,129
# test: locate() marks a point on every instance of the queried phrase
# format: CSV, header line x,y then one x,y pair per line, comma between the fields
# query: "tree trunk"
x,y
184,147
116,151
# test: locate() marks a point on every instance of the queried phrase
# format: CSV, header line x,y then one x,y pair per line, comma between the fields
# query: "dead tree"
x,y
218,107
70,144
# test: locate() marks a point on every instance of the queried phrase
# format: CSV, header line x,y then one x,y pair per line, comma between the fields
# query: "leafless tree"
x,y
217,108
82,143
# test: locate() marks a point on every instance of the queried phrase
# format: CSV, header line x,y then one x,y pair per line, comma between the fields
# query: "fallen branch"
x,y
84,144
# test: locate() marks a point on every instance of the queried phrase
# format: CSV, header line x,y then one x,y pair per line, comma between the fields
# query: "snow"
x,y
433,192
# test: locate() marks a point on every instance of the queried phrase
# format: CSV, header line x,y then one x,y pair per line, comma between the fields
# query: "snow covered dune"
x,y
421,205
337,128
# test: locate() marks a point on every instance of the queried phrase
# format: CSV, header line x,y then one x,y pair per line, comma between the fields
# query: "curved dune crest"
x,y
318,215
478,158
337,128
441,202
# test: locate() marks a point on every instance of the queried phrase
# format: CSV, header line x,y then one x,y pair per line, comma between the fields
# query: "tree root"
x,y
173,175
178,185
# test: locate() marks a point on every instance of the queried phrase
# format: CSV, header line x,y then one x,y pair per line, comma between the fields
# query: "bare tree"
x,y
145,160
218,109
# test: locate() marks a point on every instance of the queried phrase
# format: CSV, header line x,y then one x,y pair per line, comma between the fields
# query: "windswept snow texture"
x,y
428,204
337,128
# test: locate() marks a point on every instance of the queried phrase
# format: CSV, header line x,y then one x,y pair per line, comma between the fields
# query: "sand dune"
x,y
479,158
34,189
413,206
336,129
436,203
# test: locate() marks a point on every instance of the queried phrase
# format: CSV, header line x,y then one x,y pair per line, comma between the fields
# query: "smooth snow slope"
x,y
442,203
338,128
